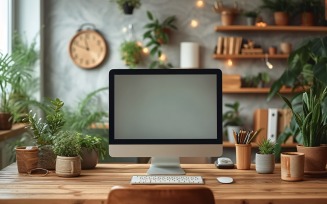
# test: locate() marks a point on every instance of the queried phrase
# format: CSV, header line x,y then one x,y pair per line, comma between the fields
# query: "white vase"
x,y
264,163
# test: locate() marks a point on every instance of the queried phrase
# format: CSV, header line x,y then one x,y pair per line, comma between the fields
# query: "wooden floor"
x,y
94,185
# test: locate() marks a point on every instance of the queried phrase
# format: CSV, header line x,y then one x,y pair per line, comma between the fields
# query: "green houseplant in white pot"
x,y
67,147
232,119
311,121
265,158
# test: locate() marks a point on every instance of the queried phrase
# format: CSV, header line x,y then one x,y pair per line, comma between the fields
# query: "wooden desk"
x,y
93,186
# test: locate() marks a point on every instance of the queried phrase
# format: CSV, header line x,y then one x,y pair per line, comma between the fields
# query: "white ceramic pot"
x,y
68,166
264,163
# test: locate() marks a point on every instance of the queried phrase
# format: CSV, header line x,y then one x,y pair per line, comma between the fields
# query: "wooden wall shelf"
x,y
16,130
255,145
258,90
271,28
254,56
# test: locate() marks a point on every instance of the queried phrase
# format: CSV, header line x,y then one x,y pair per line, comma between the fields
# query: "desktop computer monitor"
x,y
165,114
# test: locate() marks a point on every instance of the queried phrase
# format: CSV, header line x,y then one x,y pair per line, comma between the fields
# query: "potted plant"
x,y
265,158
281,8
11,77
92,148
311,121
67,147
232,119
44,131
127,6
251,17
16,81
131,53
157,33
80,119
307,10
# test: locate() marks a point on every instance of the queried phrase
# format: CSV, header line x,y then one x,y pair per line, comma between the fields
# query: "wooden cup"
x,y
292,166
243,156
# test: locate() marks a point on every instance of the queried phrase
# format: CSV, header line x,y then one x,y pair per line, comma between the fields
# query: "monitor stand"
x,y
165,165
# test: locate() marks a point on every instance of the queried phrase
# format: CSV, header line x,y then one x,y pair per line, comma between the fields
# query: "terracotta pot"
x,y
307,19
264,163
315,158
272,50
26,158
227,18
68,166
281,18
89,158
292,166
243,156
285,48
5,121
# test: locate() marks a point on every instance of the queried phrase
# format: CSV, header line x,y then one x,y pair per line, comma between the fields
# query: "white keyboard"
x,y
166,179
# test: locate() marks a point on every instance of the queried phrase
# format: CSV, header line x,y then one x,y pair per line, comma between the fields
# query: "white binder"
x,y
272,124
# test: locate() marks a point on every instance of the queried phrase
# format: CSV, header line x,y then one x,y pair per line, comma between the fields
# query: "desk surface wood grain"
x,y
94,185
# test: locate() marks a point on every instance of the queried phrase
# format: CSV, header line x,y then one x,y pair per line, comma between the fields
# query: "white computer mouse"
x,y
225,179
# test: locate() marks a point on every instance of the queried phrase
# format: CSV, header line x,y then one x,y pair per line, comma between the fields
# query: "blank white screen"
x,y
165,107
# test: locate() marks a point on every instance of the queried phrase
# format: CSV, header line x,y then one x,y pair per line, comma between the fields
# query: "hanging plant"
x,y
127,6
131,53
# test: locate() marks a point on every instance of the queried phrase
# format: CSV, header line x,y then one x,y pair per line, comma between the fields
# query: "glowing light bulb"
x,y
145,50
229,62
163,57
269,65
194,23
200,3
139,43
124,30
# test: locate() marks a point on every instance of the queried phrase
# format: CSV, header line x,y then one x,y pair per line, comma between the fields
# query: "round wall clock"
x,y
88,48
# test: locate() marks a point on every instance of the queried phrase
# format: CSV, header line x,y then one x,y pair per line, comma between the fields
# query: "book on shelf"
x,y
220,45
269,127
228,45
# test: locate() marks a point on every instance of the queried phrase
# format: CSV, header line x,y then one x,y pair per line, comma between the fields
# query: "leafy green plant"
x,y
311,120
44,132
232,117
252,14
261,79
131,53
81,118
278,5
266,147
94,143
157,34
67,144
16,81
307,5
131,3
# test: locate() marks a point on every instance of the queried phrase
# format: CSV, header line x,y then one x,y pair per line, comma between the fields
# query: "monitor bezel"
x,y
115,72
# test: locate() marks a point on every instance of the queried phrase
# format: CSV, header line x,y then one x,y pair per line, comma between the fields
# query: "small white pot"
x,y
68,166
264,163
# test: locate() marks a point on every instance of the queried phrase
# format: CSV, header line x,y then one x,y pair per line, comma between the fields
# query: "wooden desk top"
x,y
93,185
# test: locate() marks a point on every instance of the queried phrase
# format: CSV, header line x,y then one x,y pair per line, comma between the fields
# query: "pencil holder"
x,y
243,156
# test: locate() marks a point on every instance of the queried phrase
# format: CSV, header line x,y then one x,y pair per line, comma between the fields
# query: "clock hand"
x,y
87,46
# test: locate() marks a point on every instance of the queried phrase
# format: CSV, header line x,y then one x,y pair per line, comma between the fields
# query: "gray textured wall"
x,y
62,18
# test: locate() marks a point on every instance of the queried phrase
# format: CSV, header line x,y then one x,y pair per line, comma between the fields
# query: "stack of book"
x,y
229,45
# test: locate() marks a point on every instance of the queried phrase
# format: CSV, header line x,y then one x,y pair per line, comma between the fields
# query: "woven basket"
x,y
26,158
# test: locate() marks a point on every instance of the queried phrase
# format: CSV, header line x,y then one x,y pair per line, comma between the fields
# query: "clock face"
x,y
88,49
